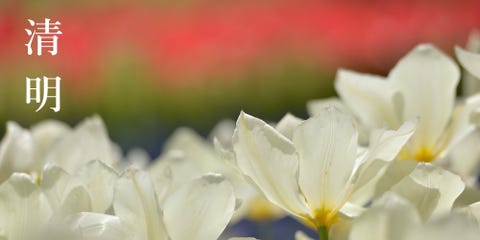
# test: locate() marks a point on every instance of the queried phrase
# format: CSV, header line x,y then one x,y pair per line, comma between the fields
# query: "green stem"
x,y
323,233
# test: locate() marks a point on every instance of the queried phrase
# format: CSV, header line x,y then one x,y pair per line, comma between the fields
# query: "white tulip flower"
x,y
313,175
53,142
422,84
200,209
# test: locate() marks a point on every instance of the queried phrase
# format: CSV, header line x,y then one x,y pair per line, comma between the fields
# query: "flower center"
x,y
324,217
423,154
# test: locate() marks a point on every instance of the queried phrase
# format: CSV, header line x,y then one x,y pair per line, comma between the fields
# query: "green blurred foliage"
x,y
141,110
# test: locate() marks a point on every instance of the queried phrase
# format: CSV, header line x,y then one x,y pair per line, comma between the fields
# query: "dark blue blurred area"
x,y
282,229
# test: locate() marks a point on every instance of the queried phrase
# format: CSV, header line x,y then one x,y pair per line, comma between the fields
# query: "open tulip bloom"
x,y
423,84
313,174
199,209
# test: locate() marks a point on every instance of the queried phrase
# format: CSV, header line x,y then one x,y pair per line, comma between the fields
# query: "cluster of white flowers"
x,y
392,158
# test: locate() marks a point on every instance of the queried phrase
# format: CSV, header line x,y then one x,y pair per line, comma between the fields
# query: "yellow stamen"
x,y
324,217
423,154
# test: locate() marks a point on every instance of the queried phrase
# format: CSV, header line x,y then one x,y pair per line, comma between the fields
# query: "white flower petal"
x,y
384,147
350,210
469,60
91,187
425,199
370,97
470,195
98,178
137,158
189,156
200,209
470,83
253,205
136,204
427,80
95,226
194,147
463,121
431,189
287,125
316,106
24,210
65,193
46,133
270,160
464,157
171,171
454,226
223,132
395,172
77,200
327,146
390,218
88,141
473,210
56,183
16,151
225,154
386,144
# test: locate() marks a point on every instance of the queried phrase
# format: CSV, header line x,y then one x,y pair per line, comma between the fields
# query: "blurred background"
x,y
147,67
